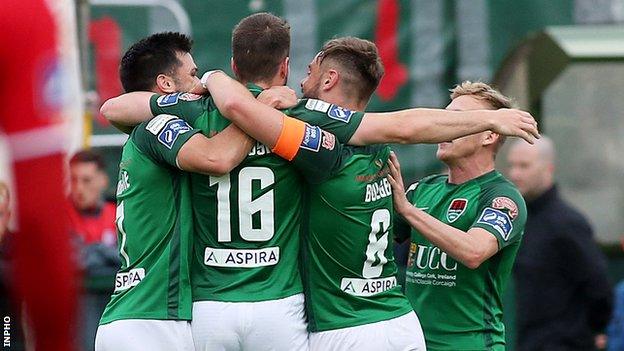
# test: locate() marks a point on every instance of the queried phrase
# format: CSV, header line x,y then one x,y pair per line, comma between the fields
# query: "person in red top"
x,y
93,228
92,218
32,120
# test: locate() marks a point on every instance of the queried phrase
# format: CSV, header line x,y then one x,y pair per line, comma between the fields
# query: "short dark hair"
x,y
361,65
89,156
260,42
151,56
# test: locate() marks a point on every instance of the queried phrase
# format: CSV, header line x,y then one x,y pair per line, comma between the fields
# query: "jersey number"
x,y
375,258
247,205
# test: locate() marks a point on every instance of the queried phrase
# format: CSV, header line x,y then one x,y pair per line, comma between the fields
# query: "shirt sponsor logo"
x,y
367,287
456,209
317,105
340,113
505,203
156,124
500,221
172,130
378,190
189,97
241,258
125,281
168,100
430,258
329,140
311,138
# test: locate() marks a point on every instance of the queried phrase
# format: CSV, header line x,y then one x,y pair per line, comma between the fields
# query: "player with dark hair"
x,y
151,304
166,56
260,49
226,288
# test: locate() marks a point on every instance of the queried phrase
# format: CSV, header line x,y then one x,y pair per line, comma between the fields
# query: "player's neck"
x,y
276,81
465,169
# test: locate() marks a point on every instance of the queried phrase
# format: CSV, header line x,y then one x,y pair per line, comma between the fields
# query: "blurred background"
x,y
563,60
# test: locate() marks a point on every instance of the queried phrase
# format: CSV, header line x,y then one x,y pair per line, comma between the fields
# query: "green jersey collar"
x,y
255,89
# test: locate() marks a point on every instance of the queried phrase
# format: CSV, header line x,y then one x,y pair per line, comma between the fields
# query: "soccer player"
x,y
304,110
465,232
151,304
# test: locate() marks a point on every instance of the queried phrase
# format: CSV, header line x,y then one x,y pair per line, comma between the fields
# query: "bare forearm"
x,y
454,242
237,104
234,146
217,155
128,109
435,126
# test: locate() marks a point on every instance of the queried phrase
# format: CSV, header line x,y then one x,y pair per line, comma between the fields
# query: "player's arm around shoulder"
x,y
169,140
127,110
422,125
130,109
217,155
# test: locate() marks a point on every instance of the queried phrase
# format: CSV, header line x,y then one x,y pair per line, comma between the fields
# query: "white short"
x,y
267,325
144,335
401,334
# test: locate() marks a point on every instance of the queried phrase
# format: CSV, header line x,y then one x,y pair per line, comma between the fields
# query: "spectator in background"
x,y
564,297
93,227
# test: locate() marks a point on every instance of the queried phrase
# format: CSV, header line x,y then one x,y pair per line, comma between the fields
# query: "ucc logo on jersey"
x,y
456,209
339,113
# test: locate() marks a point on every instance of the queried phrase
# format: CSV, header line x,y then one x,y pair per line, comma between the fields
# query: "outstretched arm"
x,y
128,110
217,155
421,125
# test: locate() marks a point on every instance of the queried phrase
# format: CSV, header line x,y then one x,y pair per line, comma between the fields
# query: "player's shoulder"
x,y
433,179
498,185
307,107
500,193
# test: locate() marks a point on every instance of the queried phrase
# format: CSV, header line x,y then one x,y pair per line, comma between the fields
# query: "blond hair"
x,y
484,92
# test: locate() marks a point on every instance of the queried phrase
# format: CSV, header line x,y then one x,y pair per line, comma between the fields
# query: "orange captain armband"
x,y
290,138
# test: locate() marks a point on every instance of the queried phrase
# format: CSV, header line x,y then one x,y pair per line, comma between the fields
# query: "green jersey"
x,y
154,225
247,222
349,271
461,308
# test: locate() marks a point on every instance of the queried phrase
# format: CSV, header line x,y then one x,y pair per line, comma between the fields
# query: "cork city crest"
x,y
456,209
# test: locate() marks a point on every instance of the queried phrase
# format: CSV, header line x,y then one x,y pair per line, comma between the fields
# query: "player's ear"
x,y
489,138
165,84
285,68
330,79
234,68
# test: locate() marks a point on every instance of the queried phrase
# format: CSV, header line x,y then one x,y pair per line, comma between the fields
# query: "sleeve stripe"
x,y
291,136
